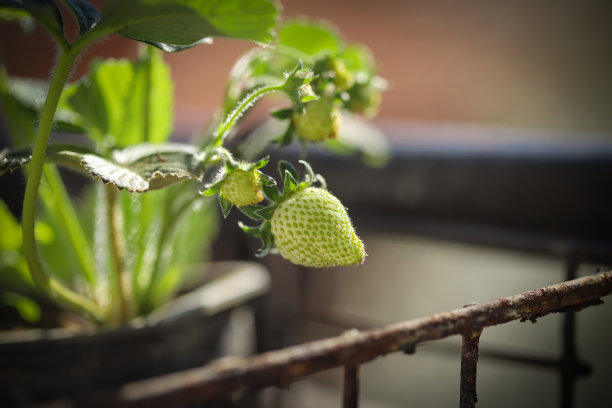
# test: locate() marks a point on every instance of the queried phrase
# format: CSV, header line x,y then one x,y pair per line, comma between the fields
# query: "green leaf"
x,y
87,14
137,168
225,205
266,239
193,223
146,167
284,167
254,231
59,153
10,239
45,11
212,189
26,307
266,212
22,100
252,211
358,58
309,40
185,22
11,161
289,182
123,102
269,187
260,163
310,175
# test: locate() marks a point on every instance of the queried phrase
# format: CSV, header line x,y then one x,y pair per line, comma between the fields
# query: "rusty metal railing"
x,y
353,348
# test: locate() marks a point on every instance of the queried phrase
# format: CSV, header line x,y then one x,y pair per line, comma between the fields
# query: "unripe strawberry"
x,y
311,227
343,78
364,99
242,187
319,122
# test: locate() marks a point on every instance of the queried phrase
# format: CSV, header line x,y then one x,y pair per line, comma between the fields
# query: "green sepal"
x,y
263,251
308,98
310,175
254,231
266,212
225,205
282,113
322,182
289,182
265,234
259,164
289,175
268,185
212,189
251,211
284,166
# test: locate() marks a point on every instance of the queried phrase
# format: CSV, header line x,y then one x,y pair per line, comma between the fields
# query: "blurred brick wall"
x,y
542,64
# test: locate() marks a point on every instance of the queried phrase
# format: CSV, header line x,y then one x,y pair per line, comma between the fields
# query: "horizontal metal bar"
x,y
229,374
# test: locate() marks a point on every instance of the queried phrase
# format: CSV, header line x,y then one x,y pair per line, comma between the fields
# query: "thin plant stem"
x,y
232,118
118,254
56,201
42,280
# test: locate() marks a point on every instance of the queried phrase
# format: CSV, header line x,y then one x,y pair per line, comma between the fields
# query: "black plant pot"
x,y
42,365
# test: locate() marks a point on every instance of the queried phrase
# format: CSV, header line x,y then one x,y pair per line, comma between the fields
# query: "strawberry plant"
x,y
124,248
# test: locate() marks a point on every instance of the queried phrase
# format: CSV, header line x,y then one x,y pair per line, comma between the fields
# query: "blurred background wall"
x,y
543,64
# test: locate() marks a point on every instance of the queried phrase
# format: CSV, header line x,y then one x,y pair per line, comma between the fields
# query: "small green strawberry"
x,y
320,120
242,187
365,98
311,227
343,78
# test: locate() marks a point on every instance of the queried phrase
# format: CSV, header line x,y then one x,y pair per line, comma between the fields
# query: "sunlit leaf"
x,y
180,23
27,308
10,238
123,102
309,40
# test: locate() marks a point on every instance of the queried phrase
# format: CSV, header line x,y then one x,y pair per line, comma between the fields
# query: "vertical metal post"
x,y
351,386
469,362
568,360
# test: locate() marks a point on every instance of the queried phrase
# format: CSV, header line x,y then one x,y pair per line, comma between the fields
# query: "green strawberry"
x,y
311,227
343,78
364,99
319,122
242,187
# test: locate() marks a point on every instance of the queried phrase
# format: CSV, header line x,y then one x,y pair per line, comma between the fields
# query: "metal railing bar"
x,y
469,365
332,318
229,374
569,359
351,386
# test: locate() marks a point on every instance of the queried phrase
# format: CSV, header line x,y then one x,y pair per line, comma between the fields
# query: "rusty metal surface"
x,y
352,348
350,397
469,364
